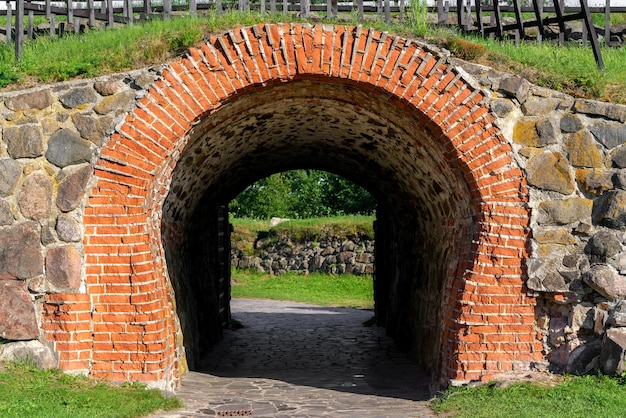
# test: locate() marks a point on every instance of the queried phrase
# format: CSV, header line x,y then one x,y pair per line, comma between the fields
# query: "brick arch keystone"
x,y
123,327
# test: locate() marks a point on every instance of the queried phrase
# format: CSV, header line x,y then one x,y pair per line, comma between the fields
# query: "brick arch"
x,y
488,319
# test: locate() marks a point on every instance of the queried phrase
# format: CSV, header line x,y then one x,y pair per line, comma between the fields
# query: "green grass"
x,y
570,69
344,290
587,396
28,392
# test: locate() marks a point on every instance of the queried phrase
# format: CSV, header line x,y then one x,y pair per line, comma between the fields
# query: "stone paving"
x,y
298,360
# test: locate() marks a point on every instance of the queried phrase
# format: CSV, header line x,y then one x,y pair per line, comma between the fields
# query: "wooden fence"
x,y
485,17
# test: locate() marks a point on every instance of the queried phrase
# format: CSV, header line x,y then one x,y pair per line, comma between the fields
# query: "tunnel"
x,y
424,216
385,112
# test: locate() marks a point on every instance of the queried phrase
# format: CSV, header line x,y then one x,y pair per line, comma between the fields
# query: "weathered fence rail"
x,y
485,17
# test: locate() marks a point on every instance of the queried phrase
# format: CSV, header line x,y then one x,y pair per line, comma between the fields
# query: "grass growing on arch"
x,y
586,396
568,69
344,290
26,391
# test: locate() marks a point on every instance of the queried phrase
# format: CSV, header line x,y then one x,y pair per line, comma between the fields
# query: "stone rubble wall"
x,y
574,155
50,137
334,257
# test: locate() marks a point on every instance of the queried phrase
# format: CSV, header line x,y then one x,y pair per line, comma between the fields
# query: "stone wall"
x,y
574,155
334,257
49,140
85,168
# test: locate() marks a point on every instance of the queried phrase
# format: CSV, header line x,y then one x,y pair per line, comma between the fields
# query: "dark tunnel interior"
x,y
424,216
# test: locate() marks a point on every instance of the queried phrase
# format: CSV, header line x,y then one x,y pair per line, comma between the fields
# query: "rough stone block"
x,y
92,128
24,141
6,217
606,281
17,312
72,186
20,251
563,212
117,103
107,87
584,358
28,351
516,87
9,175
35,196
594,182
609,134
68,229
539,106
66,147
63,266
618,157
570,123
78,97
40,99
610,209
583,151
550,171
613,354
603,245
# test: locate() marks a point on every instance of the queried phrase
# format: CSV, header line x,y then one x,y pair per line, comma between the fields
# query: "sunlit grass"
x,y
569,69
587,396
28,392
344,290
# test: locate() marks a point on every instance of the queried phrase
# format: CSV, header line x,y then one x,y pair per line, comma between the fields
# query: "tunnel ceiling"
x,y
308,124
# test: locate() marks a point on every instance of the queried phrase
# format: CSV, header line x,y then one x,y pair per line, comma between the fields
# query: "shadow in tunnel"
x,y
321,347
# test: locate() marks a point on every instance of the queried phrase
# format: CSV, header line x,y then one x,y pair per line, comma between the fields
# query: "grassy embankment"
x,y
322,289
570,69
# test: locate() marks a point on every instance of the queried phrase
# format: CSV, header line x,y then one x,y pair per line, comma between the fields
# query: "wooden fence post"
x,y
19,29
593,36
110,13
167,9
8,25
361,11
305,8
387,12
607,23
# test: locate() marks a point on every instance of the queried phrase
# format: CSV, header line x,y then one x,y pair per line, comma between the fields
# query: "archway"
x,y
380,110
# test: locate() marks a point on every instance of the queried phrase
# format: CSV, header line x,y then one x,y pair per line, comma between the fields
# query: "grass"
x,y
568,69
571,69
246,231
344,290
586,396
26,391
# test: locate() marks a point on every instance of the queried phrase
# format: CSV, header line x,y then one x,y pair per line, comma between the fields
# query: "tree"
x,y
302,194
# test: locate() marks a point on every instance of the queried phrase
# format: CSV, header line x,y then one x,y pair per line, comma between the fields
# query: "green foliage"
x,y
321,289
300,194
8,72
588,396
29,392
417,13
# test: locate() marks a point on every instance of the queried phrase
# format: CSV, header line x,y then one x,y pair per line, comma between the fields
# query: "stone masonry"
x,y
532,231
334,257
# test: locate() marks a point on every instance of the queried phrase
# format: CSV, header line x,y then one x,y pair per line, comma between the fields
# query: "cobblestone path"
x,y
298,360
